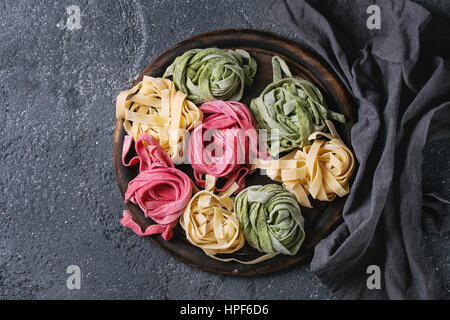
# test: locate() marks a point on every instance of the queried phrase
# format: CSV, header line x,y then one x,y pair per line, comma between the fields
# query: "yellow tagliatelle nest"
x,y
321,170
210,222
154,106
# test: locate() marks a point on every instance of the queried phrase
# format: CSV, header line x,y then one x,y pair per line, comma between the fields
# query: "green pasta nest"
x,y
270,218
290,109
212,74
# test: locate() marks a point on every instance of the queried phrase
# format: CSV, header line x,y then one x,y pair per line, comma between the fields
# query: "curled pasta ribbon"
x,y
290,109
210,222
223,144
161,191
212,74
271,219
154,106
321,170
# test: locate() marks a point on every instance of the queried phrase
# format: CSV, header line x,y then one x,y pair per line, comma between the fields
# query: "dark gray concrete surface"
x,y
59,203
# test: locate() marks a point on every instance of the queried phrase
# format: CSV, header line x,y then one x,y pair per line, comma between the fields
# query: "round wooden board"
x,y
321,220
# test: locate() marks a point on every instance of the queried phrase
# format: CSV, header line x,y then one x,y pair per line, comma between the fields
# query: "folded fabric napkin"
x,y
399,90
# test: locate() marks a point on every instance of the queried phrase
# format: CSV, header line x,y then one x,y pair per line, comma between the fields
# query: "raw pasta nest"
x,y
212,74
322,170
223,143
210,222
290,109
161,191
154,106
271,219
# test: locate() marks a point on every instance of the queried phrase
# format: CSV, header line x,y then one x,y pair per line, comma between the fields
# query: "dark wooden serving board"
x,y
321,220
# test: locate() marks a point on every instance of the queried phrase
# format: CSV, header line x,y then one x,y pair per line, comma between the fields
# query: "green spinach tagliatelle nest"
x,y
270,218
290,109
212,74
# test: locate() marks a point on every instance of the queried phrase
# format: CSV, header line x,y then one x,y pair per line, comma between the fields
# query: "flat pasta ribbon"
x,y
290,109
212,73
224,143
271,219
154,106
321,170
161,191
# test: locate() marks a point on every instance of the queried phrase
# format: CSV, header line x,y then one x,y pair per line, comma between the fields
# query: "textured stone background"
x,y
60,204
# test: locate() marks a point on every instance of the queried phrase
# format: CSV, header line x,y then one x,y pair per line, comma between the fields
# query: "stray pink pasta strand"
x,y
222,144
160,190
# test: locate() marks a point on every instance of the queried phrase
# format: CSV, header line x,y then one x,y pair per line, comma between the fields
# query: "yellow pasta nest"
x,y
210,222
321,170
154,106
